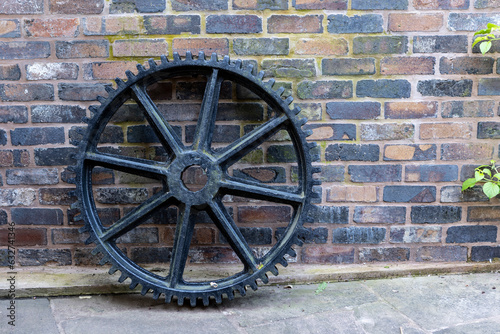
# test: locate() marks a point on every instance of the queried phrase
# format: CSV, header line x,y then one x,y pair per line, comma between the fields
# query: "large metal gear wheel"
x,y
215,163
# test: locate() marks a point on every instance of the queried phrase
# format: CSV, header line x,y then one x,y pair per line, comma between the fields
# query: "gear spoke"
x,y
259,191
233,235
136,217
131,165
163,130
208,113
182,240
238,149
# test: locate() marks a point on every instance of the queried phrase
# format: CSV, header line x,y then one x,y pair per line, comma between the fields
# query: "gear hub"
x,y
217,183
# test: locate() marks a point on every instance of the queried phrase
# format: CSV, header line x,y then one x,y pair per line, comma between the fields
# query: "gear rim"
x,y
86,161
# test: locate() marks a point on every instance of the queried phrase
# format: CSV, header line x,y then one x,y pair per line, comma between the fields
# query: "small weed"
x,y
320,288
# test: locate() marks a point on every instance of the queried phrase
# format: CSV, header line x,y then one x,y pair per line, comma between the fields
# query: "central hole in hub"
x,y
194,177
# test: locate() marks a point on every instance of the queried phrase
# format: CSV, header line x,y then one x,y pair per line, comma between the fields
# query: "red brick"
x,y
415,22
406,110
323,47
446,130
207,45
407,65
264,214
59,27
82,49
327,254
76,6
26,236
114,25
465,151
9,28
109,70
295,24
140,48
441,4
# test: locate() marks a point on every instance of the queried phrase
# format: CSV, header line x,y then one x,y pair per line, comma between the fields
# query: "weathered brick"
x,y
327,254
412,234
76,6
14,114
111,134
332,131
407,65
263,214
329,173
172,24
233,24
67,236
37,216
26,92
32,176
446,130
454,194
221,133
414,152
146,255
332,89
380,214
3,140
485,253
415,22
384,254
328,214
108,70
383,88
487,130
320,4
281,153
56,196
343,24
57,114
407,110
489,86
379,4
37,136
309,235
366,194
294,24
375,173
431,173
195,45
435,214
144,235
486,4
10,29
440,44
22,7
82,49
466,65
60,27
483,213
58,156
140,48
261,46
141,6
387,131
358,235
323,47
14,158
410,194
3,217
81,91
464,151
10,72
353,110
112,25
380,44
465,234
121,195
467,109
52,71
255,235
186,5
25,237
352,152
260,4
348,66
437,87
17,197
470,21
40,257
441,4
289,68
262,174
441,254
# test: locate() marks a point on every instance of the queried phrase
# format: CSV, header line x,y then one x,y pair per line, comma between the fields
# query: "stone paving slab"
x,y
450,304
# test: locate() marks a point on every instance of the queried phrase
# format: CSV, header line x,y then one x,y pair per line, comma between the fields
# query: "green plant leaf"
x,y
492,26
487,171
491,189
321,287
479,175
482,32
469,183
479,39
485,47
496,176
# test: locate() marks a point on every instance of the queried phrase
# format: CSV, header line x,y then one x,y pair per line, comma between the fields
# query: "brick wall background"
x,y
401,106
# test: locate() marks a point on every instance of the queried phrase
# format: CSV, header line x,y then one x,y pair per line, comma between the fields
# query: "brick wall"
x,y
401,106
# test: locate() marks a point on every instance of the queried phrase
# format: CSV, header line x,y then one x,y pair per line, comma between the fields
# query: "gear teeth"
x,y
213,58
316,169
296,110
298,242
201,56
164,59
101,99
206,300
112,270
82,229
71,169
316,182
180,300
96,250
238,63
94,109
168,297
80,218
280,90
109,89
260,75
177,57
302,121
156,295
144,290
270,83
283,262
85,119
265,279
133,285
104,260
130,75
75,205
226,60
189,56
123,277
308,133
312,145
140,68
152,64
192,301
292,252
120,83
218,298
289,100
74,142
274,270
249,68
253,285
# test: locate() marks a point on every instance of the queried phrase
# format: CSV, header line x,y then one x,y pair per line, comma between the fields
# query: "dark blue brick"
x,y
441,44
328,214
485,253
380,44
436,87
359,235
286,153
24,50
343,24
309,236
464,234
352,152
141,6
489,86
410,194
431,173
348,66
151,254
384,254
37,216
221,133
183,5
435,214
254,235
383,88
59,156
174,24
379,4
353,110
380,214
375,173
233,24
37,136
488,130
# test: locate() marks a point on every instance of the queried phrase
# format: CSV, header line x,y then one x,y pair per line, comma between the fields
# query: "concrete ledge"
x,y
66,281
